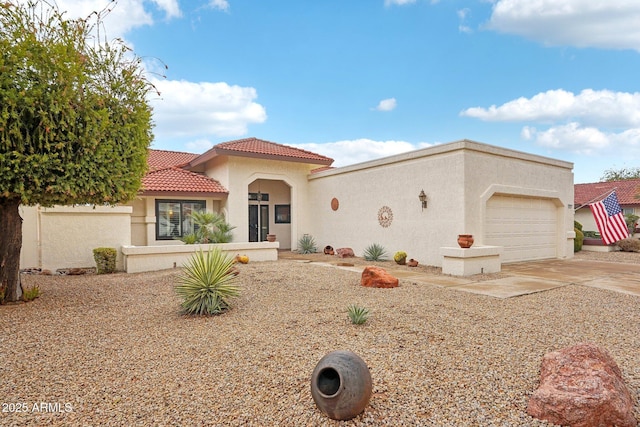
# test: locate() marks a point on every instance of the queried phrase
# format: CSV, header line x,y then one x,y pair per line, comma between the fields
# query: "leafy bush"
x,y
357,314
105,260
629,245
577,225
207,283
31,293
631,221
375,252
399,256
307,245
579,239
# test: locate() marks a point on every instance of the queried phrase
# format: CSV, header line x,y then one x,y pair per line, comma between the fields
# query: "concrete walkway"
x,y
530,277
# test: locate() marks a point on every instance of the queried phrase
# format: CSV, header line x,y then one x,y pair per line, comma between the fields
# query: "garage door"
x,y
526,227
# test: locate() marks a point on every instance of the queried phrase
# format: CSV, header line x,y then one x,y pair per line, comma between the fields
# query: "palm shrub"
x,y
357,314
307,245
375,252
31,293
211,227
207,283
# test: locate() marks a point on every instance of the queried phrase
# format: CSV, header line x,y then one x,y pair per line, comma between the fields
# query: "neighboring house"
x,y
516,201
627,191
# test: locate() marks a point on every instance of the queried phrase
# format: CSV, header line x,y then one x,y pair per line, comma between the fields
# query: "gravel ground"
x,y
115,350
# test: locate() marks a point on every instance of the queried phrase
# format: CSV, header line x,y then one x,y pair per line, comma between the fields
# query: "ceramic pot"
x,y
465,240
271,237
341,385
412,263
328,250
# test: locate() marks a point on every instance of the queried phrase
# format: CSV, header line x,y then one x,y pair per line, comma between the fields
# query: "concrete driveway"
x,y
529,277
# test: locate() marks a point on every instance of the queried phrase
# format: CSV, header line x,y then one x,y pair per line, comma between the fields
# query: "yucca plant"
x,y
307,245
357,314
207,283
375,252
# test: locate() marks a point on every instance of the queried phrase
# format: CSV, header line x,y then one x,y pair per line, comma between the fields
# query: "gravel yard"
x,y
115,350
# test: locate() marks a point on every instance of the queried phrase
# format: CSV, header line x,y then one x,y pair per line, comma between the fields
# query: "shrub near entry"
x,y
105,260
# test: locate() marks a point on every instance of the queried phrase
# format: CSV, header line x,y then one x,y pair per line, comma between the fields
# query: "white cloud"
x,y
591,122
196,109
591,107
348,152
219,4
585,140
387,105
610,24
398,2
198,145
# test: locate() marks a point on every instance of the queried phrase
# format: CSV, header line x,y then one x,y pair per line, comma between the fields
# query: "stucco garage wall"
x,y
362,190
459,179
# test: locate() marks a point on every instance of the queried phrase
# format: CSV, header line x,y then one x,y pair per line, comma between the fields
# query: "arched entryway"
x,y
269,211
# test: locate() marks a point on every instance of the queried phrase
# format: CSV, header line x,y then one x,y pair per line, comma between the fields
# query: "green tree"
x,y
75,124
620,174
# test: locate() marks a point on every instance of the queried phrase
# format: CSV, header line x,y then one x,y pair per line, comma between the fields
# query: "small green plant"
x,y
207,283
105,260
357,314
577,225
307,245
399,256
375,252
629,245
579,239
31,293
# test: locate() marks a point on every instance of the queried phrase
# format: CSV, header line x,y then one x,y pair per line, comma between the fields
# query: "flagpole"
x,y
602,196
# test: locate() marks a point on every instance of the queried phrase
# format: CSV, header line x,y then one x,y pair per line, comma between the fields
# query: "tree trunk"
x,y
10,246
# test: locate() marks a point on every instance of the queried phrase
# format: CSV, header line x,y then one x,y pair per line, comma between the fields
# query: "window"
x,y
261,197
173,217
283,214
628,211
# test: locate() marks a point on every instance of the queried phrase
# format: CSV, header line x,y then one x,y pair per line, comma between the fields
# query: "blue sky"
x,y
363,79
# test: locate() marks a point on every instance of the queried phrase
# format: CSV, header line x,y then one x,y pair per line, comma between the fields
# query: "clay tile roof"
x,y
255,147
159,159
625,190
174,179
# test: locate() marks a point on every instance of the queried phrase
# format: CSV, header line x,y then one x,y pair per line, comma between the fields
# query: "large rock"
x,y
345,253
377,277
582,386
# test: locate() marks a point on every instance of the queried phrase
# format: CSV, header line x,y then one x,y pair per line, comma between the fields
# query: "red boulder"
x,y
377,277
582,386
345,253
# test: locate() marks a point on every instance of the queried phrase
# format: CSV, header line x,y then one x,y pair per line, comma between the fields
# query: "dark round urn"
x,y
341,385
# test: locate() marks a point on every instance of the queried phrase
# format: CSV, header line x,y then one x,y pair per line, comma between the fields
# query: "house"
x,y
627,191
517,206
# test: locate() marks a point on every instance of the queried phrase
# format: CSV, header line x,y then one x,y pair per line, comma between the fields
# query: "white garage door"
x,y
526,227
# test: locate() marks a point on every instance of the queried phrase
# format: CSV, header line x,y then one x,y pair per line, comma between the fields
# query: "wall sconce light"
x,y
423,199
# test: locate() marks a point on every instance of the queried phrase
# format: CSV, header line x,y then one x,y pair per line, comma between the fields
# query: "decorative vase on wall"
x,y
341,385
465,240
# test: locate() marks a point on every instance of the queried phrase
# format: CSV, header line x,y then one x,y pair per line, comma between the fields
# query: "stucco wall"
x,y
585,217
64,236
458,179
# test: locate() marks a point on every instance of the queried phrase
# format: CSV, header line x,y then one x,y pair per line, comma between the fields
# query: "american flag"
x,y
609,219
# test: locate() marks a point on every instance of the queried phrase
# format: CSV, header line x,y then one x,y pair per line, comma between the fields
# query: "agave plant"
x,y
357,314
375,252
307,245
207,283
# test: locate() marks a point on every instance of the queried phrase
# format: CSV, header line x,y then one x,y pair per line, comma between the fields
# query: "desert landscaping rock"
x,y
115,350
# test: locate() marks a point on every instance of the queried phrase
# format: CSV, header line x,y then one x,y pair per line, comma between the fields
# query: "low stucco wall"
x,y
65,236
138,259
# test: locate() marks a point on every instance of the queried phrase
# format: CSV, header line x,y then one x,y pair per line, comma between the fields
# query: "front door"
x,y
256,223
